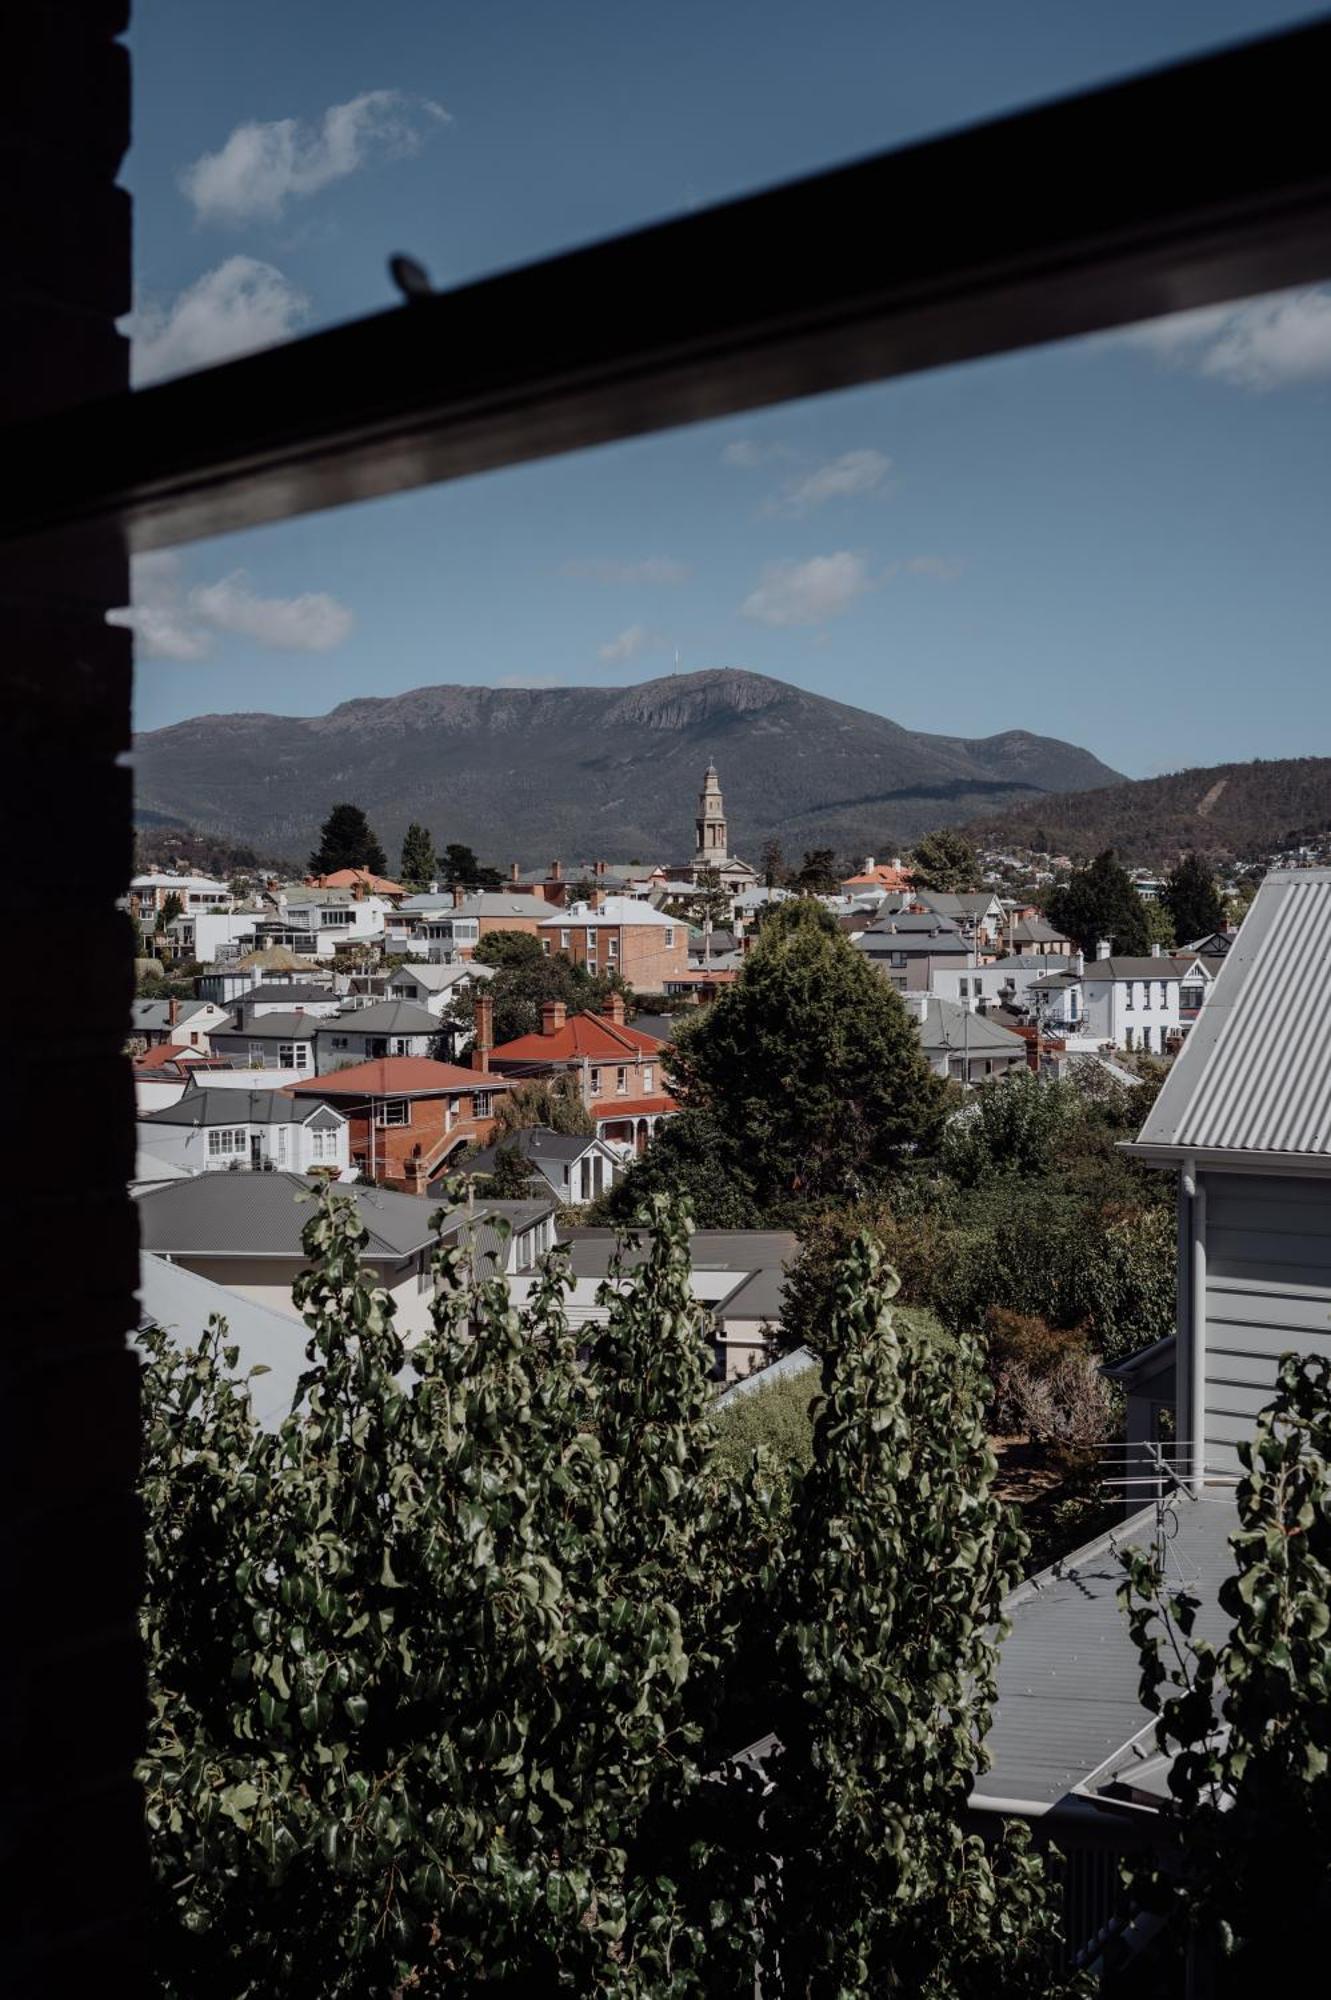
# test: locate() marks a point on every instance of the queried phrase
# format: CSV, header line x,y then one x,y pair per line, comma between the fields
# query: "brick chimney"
x,y
612,1009
172,1012
600,868
556,871
597,899
459,895
358,889
485,1032
554,1016
513,871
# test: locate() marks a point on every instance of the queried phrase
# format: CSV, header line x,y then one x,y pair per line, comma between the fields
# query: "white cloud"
x,y
808,593
1261,344
632,641
748,453
262,167
242,305
652,569
171,622
846,478
314,622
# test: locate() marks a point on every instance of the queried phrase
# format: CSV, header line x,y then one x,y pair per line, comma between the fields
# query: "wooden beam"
x,y
1204,182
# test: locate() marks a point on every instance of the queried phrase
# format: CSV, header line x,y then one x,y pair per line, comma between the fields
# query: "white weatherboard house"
x,y
206,1131
1244,1121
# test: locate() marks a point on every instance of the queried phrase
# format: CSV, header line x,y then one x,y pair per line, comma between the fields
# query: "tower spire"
x,y
712,849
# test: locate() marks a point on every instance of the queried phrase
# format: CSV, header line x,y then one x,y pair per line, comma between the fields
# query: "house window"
x,y
1129,1035
1190,997
965,988
226,1140
293,1055
324,1145
649,1080
621,1083
594,1079
565,939
613,946
1129,991
896,958
256,1055
340,1042
393,1111
484,1102
670,936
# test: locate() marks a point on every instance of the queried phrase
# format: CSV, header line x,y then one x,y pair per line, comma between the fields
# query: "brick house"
x,y
620,934
618,1068
408,1115
450,925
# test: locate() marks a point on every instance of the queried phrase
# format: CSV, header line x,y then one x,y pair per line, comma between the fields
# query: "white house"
x,y
1007,982
206,1131
183,1024
272,1041
149,895
364,1034
1143,1004
435,987
962,1044
575,1167
321,919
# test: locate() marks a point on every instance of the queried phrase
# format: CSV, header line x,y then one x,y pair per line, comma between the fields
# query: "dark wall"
x,y
72,1853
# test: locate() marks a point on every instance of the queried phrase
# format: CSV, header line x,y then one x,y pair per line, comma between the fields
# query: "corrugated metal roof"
x,y
1068,1670
1254,1075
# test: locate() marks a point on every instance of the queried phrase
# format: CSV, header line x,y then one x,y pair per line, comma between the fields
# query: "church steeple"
x,y
713,844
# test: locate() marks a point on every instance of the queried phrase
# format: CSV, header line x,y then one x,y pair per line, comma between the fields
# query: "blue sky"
x,y
1123,542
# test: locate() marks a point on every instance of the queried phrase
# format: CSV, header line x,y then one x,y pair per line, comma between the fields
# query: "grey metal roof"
x,y
760,1297
262,1215
274,1027
242,1107
1068,1671
291,991
1118,967
157,1013
947,1025
908,923
438,978
385,1017
972,904
798,1362
536,1142
182,1302
660,1026
738,1250
1254,1075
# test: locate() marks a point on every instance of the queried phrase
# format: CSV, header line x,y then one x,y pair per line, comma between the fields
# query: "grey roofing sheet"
x,y
262,1215
182,1303
798,1362
274,1027
760,1297
291,992
534,1142
711,1250
1068,1671
1254,1075
385,1017
1118,967
233,1107
948,1025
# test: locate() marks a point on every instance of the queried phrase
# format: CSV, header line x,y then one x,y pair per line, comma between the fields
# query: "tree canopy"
x,y
817,874
420,865
525,978
808,1068
945,862
459,868
346,840
450,1668
553,1102
1193,899
1097,902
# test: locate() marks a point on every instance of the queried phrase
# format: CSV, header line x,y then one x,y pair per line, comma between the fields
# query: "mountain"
x,y
530,773
1228,811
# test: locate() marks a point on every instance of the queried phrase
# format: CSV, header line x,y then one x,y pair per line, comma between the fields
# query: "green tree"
x,y
419,864
945,862
1193,899
1097,902
346,840
511,1178
460,869
817,874
709,903
1010,1126
525,978
172,907
1247,1721
554,1102
900,1560
691,1157
772,866
809,1067
1159,925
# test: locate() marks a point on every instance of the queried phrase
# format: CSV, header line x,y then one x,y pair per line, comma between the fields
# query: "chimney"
x,y
612,1009
459,895
554,1015
869,864
358,889
1157,951
600,868
1079,963
556,871
172,1012
598,900
1104,949
513,871
484,1039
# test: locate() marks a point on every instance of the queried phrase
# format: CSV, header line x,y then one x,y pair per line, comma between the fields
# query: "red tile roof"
x,y
632,1107
589,1035
398,1076
164,1053
881,876
347,878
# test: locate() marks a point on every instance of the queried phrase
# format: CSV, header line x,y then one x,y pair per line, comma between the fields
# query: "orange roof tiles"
x,y
589,1035
347,878
632,1107
398,1076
